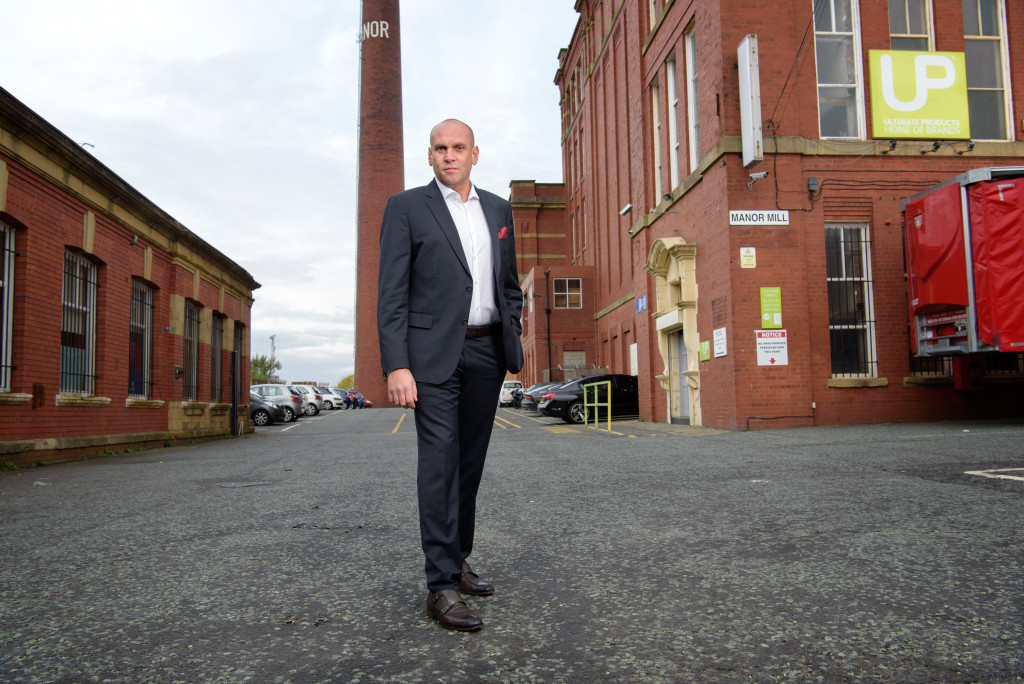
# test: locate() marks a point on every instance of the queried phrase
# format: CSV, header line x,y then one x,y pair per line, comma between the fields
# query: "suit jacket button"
x,y
469,288
465,322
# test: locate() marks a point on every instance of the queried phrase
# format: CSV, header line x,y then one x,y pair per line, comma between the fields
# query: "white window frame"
x,y
656,135
1008,122
858,66
692,103
78,317
928,20
673,122
565,293
838,274
7,240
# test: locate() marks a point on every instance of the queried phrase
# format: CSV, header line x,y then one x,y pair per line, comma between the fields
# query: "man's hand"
x,y
402,388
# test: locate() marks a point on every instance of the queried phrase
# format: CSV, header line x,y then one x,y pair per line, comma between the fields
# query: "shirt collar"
x,y
447,192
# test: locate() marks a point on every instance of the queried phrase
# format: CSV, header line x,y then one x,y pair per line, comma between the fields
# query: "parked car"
x,y
507,388
316,400
330,398
263,411
533,394
566,401
293,403
338,397
358,400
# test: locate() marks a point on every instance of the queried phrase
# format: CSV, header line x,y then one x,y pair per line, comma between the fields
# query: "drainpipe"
x,y
547,313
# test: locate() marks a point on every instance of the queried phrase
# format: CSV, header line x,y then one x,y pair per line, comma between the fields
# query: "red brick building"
x,y
119,328
763,287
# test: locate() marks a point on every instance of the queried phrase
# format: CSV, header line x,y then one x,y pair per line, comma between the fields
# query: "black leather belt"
x,y
481,330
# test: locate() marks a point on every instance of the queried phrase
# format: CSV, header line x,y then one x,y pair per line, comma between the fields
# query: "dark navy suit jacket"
x,y
424,286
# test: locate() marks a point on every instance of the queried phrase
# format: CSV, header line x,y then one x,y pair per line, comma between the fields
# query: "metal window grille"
x,y
1004,363
190,388
216,354
6,304
568,293
78,326
923,366
140,341
850,302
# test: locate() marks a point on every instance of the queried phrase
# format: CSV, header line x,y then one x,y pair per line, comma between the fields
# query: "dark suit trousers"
x,y
453,428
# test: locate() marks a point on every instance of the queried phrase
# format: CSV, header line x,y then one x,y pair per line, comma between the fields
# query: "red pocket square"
x,y
503,233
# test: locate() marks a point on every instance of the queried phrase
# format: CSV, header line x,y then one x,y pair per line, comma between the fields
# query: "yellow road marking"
x,y
560,430
399,424
503,420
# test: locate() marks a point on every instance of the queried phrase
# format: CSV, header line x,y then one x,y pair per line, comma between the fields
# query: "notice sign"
x,y
719,339
772,348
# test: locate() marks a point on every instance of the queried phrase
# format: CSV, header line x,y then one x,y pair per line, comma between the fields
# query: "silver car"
x,y
312,394
293,403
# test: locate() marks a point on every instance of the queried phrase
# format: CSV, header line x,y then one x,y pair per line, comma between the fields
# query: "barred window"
x,y
216,354
568,293
78,326
190,389
6,304
140,341
850,301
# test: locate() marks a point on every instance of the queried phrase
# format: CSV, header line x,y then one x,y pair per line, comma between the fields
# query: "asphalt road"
x,y
644,554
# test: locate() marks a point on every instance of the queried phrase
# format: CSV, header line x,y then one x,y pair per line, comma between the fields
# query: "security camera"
x,y
759,175
626,209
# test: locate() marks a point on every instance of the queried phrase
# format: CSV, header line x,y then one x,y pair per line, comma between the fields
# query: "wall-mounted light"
x,y
626,209
179,373
970,147
935,147
892,146
667,196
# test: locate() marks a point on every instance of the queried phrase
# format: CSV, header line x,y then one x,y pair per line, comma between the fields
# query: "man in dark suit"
x,y
448,308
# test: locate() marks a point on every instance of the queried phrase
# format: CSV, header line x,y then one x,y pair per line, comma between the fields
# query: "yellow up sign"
x,y
918,95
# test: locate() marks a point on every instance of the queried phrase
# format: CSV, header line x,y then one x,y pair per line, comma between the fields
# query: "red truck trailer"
x,y
964,243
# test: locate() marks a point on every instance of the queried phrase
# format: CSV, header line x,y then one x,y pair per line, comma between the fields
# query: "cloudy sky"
x,y
239,119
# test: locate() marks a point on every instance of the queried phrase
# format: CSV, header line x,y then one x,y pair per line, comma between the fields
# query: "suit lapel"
x,y
439,208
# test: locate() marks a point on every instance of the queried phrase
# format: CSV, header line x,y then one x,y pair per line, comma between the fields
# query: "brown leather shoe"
x,y
448,608
471,583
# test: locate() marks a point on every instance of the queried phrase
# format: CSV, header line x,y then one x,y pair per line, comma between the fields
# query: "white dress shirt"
x,y
476,245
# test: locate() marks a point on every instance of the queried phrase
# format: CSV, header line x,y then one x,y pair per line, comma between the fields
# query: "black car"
x,y
534,393
566,402
264,412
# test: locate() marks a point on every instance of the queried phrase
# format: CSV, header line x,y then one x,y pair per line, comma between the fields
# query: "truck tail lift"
x,y
965,264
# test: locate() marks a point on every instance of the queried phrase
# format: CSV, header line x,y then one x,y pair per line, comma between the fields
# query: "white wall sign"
x,y
775,217
748,257
719,342
772,348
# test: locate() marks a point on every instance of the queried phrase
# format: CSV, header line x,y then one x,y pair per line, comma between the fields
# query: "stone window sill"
x,y
850,383
82,401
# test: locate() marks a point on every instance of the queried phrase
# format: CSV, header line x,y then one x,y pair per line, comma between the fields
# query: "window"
x,y
673,123
910,25
692,111
190,360
216,354
568,293
653,8
837,56
656,132
986,68
6,304
140,341
78,326
850,305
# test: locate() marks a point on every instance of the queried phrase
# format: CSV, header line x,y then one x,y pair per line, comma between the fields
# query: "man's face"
x,y
452,154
